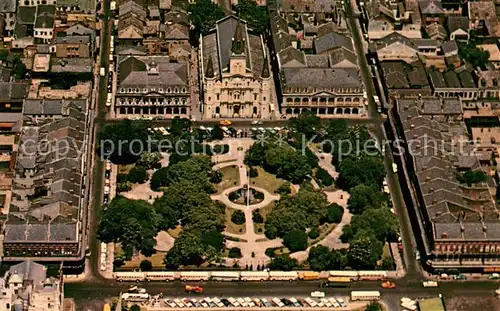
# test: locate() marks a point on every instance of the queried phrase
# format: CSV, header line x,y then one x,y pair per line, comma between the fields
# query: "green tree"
x,y
299,212
256,16
195,170
313,234
283,263
255,154
321,258
270,252
217,133
257,217
234,252
295,240
124,186
150,160
216,177
363,197
18,68
133,223
284,188
203,15
364,251
334,213
324,177
361,170
471,177
238,217
146,265
473,54
381,222
138,174
135,307
188,250
123,142
213,238
374,306
307,124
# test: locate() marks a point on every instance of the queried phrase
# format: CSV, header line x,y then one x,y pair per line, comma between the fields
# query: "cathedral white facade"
x,y
235,74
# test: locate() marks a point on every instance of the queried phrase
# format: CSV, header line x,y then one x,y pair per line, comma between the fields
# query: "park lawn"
x,y
324,230
263,211
156,260
266,181
175,232
231,227
230,178
386,251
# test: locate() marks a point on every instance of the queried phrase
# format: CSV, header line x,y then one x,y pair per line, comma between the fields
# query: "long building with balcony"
x,y
326,82
46,214
460,220
152,86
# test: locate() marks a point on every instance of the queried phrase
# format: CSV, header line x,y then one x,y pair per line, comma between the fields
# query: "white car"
x,y
170,303
318,294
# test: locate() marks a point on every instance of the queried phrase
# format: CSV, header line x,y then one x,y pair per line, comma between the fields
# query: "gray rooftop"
x,y
321,77
45,15
144,71
78,65
8,6
331,41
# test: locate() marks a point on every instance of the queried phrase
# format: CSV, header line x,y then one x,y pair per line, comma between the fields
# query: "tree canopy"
x,y
306,123
257,17
203,15
321,258
363,197
295,240
123,142
196,170
137,174
277,157
364,251
299,212
471,177
380,222
283,263
473,54
365,169
133,223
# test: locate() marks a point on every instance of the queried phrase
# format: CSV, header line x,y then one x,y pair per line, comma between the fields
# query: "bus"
x,y
283,275
337,281
310,275
225,276
135,297
372,275
194,276
130,276
160,276
365,295
254,275
353,275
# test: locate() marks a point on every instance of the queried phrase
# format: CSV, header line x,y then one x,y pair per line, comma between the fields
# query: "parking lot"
x,y
338,303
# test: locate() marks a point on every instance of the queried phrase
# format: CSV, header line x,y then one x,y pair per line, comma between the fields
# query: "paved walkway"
x,y
251,244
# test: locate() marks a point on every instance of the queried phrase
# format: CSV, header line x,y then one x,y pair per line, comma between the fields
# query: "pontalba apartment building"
x,y
236,80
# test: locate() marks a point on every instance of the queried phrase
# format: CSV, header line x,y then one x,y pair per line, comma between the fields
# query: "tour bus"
x,y
365,295
283,275
135,297
372,275
310,275
353,275
160,276
254,275
337,281
225,276
130,276
195,276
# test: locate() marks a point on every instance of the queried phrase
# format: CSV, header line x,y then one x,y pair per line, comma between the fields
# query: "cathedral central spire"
x,y
238,47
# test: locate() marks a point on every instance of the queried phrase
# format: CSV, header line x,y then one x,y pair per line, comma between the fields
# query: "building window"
x,y
264,98
255,96
218,97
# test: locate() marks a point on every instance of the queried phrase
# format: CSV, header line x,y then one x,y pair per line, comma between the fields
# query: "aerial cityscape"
x,y
164,155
